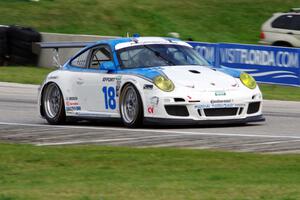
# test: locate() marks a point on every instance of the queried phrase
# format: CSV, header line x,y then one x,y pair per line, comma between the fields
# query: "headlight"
x,y
248,80
164,84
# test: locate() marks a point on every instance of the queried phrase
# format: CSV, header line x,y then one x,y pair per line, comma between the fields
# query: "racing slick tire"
x,y
131,107
53,106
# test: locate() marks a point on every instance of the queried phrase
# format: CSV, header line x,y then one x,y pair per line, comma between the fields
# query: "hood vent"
x,y
179,100
194,71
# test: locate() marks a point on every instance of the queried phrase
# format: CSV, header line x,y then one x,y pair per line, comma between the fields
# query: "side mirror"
x,y
107,65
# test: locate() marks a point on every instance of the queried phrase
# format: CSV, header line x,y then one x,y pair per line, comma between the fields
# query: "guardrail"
x,y
267,64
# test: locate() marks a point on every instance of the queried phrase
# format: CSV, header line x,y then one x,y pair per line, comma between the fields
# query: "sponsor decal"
x,y
220,105
117,90
220,93
150,109
221,101
117,80
108,79
52,77
70,103
118,86
71,98
111,79
148,87
73,108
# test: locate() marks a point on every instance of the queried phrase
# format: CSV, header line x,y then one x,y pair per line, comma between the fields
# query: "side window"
x,y
283,22
295,24
81,60
99,55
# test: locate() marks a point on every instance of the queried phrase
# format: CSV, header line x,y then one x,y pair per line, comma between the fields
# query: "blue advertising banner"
x,y
206,50
267,64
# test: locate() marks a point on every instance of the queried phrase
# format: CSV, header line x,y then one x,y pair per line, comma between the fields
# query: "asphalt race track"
x,y
20,123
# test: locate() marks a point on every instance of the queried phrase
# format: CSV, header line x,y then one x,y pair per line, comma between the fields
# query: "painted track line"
x,y
152,131
101,140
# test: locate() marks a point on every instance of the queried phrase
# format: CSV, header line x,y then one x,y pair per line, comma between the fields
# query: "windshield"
x,y
159,55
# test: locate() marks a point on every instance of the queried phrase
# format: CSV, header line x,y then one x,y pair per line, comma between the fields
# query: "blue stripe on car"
x,y
232,72
148,73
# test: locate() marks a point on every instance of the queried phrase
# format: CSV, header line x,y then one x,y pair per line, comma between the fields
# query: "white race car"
x,y
148,79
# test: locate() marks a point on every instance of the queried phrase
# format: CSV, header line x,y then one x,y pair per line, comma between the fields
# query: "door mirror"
x,y
107,65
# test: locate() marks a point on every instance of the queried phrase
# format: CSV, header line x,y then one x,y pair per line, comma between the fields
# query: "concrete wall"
x,y
46,55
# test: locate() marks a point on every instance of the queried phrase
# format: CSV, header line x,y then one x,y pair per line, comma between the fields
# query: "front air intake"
x,y
174,110
253,107
220,112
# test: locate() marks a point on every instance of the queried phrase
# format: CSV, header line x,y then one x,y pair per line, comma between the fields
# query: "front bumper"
x,y
188,106
205,110
164,121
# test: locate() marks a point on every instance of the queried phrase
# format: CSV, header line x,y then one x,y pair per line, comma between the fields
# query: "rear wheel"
x,y
53,104
131,107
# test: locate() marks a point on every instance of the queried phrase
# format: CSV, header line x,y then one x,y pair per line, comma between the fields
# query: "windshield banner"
x,y
267,64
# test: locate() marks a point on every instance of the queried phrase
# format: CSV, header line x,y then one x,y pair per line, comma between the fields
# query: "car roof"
x,y
122,42
286,13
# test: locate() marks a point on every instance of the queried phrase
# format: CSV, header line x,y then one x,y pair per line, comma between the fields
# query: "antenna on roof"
x,y
134,37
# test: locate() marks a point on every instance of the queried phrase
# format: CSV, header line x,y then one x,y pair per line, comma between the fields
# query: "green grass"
x,y
28,75
277,92
94,172
203,20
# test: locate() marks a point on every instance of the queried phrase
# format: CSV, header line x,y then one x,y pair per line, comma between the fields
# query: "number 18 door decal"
x,y
109,97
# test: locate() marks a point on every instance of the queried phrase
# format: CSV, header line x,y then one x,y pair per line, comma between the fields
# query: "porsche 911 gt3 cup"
x,y
148,79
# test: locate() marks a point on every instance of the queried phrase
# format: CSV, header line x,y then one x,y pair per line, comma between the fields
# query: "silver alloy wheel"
x,y
52,100
130,105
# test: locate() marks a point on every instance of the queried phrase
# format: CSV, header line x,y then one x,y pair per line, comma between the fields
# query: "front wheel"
x,y
53,104
131,107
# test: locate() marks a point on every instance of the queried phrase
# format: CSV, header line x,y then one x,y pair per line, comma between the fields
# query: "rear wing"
x,y
38,46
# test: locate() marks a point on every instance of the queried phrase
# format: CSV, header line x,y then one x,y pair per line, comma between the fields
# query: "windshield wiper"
x,y
156,53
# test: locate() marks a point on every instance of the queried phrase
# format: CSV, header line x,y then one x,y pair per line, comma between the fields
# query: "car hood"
x,y
200,77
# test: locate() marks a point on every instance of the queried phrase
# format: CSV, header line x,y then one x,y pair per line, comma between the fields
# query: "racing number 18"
x,y
109,97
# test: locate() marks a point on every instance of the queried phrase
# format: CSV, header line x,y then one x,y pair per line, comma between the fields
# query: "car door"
x,y
96,88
